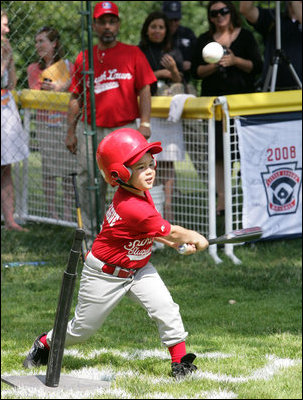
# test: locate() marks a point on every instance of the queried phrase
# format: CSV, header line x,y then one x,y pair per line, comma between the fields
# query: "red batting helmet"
x,y
120,149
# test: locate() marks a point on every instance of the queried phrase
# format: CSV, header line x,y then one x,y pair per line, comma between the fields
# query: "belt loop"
x,y
116,271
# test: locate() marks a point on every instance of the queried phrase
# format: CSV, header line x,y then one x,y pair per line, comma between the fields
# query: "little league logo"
x,y
282,184
106,5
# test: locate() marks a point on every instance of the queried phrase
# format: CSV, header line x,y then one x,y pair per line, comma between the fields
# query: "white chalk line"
x,y
118,393
24,393
273,366
221,394
136,354
29,393
109,374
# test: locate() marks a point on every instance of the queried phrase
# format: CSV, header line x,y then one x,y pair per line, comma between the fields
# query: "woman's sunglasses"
x,y
223,11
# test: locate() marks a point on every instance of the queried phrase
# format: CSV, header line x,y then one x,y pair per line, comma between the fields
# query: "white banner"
x,y
271,170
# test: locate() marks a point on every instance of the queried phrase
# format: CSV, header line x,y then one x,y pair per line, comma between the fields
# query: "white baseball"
x,y
212,52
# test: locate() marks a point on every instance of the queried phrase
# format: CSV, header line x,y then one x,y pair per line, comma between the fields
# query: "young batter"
x,y
118,263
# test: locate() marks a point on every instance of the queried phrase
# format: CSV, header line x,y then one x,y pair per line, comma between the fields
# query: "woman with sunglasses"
x,y
235,73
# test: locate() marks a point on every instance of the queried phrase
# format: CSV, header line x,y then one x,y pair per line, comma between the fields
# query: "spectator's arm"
x,y
230,60
206,70
169,63
73,115
162,74
243,64
249,11
144,109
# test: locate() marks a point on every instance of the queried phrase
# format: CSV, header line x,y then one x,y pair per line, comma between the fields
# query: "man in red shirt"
x,y
119,263
121,75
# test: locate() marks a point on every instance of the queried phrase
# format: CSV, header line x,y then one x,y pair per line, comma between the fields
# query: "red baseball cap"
x,y
105,7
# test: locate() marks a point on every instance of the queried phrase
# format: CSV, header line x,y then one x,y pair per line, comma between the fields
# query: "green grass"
x,y
260,335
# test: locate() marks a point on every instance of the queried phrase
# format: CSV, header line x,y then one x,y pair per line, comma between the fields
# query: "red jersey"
x,y
120,73
130,225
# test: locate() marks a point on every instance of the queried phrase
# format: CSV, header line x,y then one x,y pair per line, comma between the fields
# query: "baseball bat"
x,y
236,236
79,216
63,309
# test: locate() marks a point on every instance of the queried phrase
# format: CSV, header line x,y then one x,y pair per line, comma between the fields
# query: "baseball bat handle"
x,y
237,236
79,216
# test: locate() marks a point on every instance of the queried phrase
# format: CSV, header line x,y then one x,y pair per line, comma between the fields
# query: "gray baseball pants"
x,y
100,293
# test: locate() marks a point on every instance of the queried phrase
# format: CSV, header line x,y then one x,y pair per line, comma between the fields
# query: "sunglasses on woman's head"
x,y
223,11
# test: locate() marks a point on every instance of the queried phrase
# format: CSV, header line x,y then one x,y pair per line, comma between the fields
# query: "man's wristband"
x,y
145,124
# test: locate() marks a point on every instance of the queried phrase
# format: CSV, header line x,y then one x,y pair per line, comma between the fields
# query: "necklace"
x,y
100,55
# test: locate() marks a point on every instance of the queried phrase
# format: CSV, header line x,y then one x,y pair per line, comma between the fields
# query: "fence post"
x,y
228,248
93,131
212,186
24,206
93,113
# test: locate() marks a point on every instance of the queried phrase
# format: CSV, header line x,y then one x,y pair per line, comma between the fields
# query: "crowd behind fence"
x,y
194,194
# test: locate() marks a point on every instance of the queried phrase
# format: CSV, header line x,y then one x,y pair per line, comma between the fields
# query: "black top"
x,y
229,80
154,53
291,45
185,40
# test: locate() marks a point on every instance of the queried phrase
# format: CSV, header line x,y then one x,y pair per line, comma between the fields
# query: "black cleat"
x,y
38,354
186,366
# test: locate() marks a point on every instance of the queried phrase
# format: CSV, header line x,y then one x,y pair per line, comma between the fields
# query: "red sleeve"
x,y
145,221
77,76
155,225
144,73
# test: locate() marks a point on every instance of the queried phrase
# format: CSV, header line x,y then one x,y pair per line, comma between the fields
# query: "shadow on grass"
x,y
42,240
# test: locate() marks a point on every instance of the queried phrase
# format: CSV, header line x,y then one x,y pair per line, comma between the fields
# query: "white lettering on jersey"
x,y
109,80
113,74
111,215
134,251
106,86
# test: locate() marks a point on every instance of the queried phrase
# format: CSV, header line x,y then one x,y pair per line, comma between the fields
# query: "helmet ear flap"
x,y
119,171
